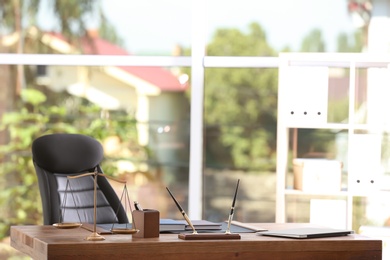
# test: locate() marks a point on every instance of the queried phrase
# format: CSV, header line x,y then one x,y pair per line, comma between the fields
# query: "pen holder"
x,y
147,221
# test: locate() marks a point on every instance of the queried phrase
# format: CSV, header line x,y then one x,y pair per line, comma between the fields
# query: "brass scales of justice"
x,y
94,235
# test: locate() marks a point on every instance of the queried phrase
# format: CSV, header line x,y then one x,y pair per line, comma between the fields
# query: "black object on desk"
x,y
232,209
182,212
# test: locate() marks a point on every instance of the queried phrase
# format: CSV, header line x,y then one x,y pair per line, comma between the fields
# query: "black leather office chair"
x,y
56,156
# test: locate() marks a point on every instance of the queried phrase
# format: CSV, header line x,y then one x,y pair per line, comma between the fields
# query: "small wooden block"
x,y
147,221
209,236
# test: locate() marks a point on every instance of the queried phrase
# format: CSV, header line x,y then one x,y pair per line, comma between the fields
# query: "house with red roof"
x,y
153,95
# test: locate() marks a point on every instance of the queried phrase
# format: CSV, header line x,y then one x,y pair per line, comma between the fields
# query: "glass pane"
x,y
284,25
115,27
361,96
301,209
142,123
338,95
240,131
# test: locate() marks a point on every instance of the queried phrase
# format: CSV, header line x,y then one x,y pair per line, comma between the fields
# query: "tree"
x,y
240,104
16,18
19,16
346,44
313,42
108,32
27,113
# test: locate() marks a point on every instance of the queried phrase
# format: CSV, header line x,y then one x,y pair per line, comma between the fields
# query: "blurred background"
x,y
142,114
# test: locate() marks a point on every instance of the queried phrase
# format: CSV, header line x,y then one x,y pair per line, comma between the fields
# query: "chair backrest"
x,y
57,156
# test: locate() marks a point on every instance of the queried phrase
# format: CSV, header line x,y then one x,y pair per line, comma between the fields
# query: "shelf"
x,y
340,193
336,126
339,126
305,193
303,103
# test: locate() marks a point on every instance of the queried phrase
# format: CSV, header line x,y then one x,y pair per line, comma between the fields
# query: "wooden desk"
x,y
47,242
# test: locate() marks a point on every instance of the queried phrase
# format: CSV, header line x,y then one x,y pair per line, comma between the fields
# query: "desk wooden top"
x,y
47,242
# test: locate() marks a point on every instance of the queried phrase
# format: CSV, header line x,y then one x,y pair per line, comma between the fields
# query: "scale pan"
x,y
67,225
124,231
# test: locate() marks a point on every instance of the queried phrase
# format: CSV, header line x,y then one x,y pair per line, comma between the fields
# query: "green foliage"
x,y
34,116
108,32
313,42
351,43
241,104
338,110
69,14
69,17
7,11
19,193
316,143
233,42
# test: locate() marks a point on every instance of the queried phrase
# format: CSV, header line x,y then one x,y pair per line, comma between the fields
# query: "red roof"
x,y
158,76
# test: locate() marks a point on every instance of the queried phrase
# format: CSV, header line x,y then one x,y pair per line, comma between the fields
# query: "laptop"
x,y
302,233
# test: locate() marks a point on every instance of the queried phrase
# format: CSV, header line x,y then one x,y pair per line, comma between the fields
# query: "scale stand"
x,y
95,236
67,225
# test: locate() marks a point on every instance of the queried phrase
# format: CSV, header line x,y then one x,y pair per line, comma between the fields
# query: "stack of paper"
x,y
171,225
182,225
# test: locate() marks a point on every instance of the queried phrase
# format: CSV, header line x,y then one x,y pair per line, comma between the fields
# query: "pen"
x,y
183,212
232,209
137,206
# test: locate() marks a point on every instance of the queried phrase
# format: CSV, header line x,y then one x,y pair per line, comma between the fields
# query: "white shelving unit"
x,y
303,103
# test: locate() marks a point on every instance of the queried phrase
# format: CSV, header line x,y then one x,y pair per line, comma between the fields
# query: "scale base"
x,y
95,237
209,236
128,231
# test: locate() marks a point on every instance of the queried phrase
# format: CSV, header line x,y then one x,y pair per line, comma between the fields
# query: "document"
x,y
182,225
202,225
166,225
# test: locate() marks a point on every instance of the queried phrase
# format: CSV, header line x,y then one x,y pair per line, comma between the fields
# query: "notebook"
x,y
167,225
302,233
